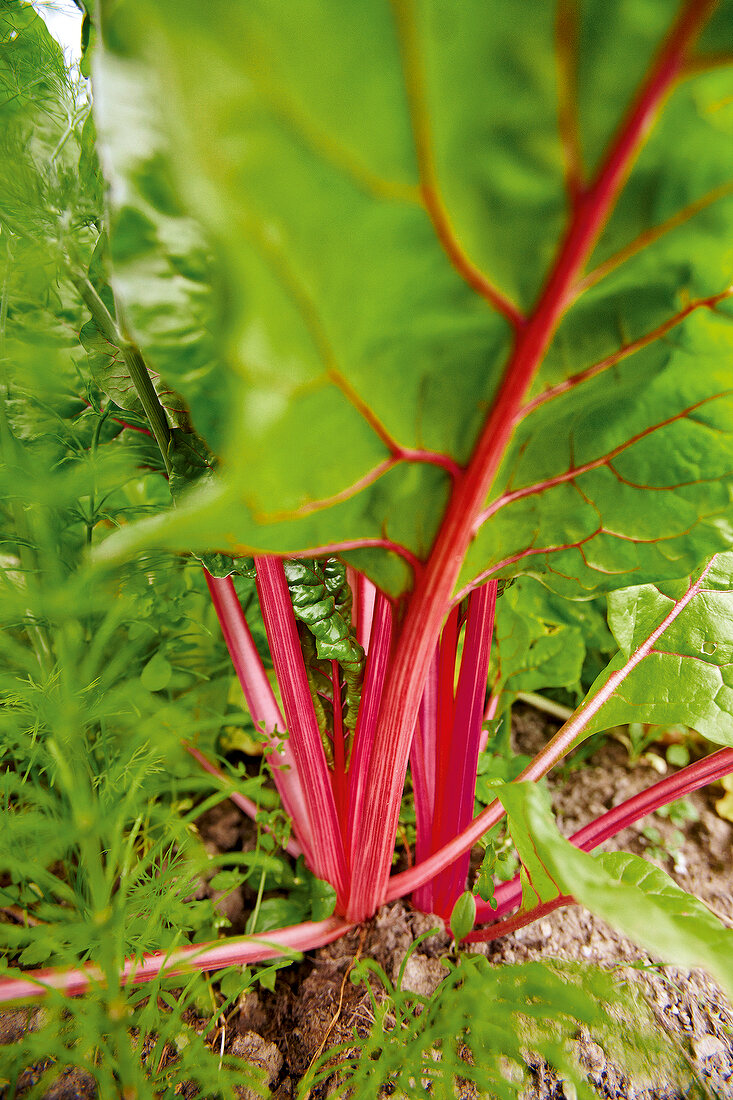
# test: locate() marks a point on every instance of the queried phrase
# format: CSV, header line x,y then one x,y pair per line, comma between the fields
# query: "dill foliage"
x,y
100,677
487,1029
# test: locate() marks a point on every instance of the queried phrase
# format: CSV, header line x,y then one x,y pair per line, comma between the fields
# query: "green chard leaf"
x,y
541,640
632,895
687,677
359,201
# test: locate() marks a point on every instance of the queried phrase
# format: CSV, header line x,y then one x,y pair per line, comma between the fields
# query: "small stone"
x,y
72,1083
260,1054
435,944
709,1046
593,1056
422,975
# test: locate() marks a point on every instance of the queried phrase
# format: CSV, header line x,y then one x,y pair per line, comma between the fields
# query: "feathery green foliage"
x,y
100,859
484,1027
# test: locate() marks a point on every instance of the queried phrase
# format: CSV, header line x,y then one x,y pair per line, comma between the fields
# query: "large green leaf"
x,y
345,163
635,897
687,676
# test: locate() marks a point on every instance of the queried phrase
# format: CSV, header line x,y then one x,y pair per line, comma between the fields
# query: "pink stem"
x,y
329,860
235,951
380,650
246,804
262,705
458,790
365,594
423,760
492,705
436,582
239,950
447,650
339,754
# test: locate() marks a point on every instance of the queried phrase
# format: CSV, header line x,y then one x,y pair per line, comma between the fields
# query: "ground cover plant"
x,y
422,319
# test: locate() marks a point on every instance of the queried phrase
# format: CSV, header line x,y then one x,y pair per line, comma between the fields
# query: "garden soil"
x,y
315,1006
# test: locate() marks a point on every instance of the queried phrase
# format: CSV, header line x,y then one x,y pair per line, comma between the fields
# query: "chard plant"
x,y
419,302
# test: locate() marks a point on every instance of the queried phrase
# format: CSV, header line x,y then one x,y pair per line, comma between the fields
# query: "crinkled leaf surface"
x,y
541,640
340,157
627,475
687,676
631,894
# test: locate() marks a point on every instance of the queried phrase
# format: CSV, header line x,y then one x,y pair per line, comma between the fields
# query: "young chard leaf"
x,y
636,898
322,601
463,916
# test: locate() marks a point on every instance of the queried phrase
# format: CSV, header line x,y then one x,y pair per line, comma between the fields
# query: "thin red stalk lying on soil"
x,y
519,920
435,584
247,805
241,950
691,778
565,739
235,951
